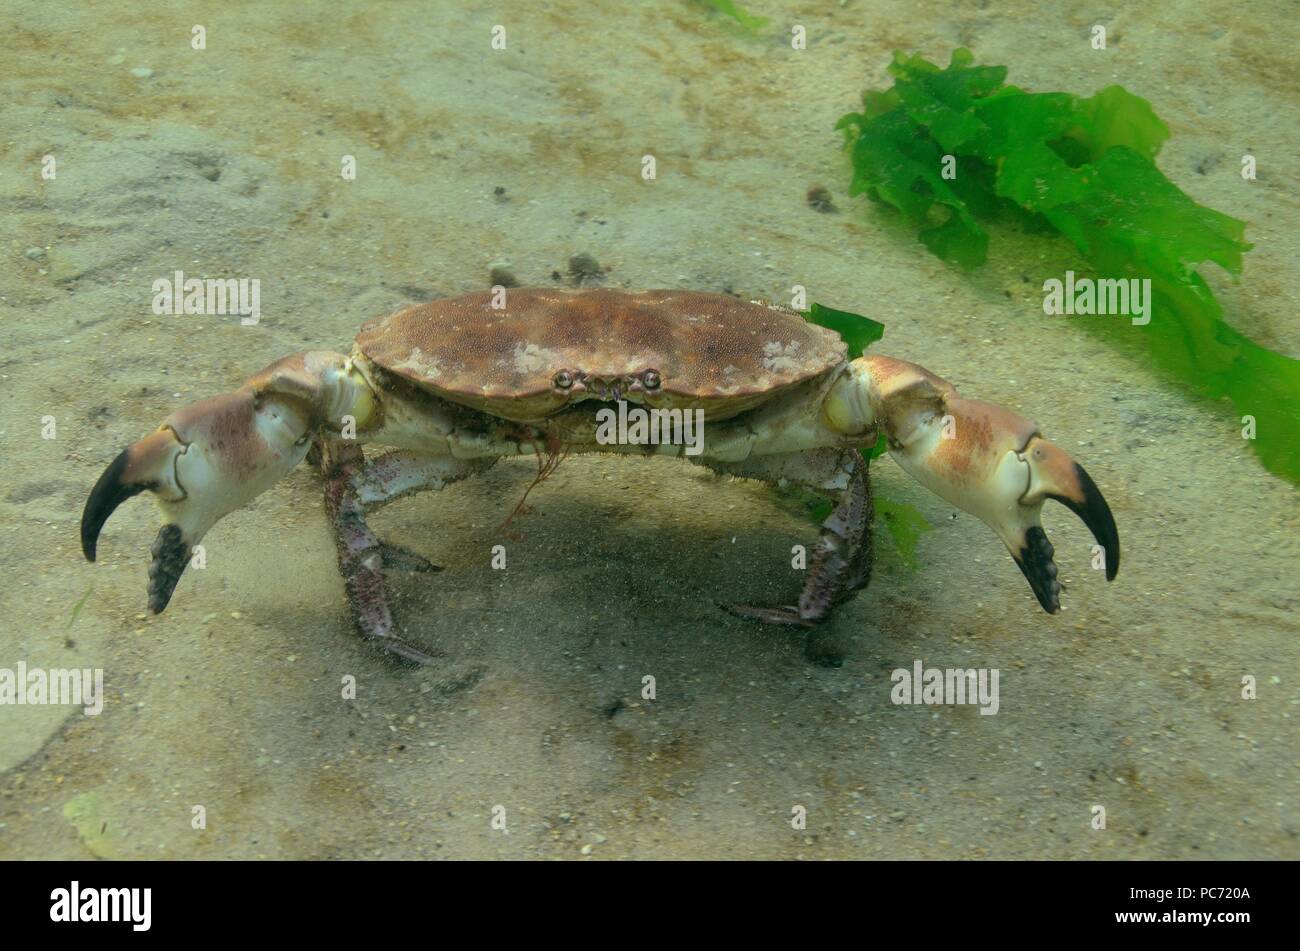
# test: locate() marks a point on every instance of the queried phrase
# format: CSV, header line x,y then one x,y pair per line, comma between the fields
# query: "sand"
x,y
226,162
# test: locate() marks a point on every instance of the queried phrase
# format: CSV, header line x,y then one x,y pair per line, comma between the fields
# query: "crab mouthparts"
x,y
607,388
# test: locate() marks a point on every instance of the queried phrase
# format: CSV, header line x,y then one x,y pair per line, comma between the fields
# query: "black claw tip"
x,y
109,492
170,556
1035,561
1095,513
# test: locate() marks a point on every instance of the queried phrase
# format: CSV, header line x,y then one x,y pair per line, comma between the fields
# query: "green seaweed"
x,y
906,525
89,815
856,331
739,14
1083,167
76,608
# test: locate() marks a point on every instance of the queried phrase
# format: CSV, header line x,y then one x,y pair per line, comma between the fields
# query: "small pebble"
x,y
819,199
34,253
583,267
502,276
142,72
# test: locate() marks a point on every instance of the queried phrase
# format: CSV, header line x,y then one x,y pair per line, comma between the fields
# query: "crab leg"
x,y
979,456
389,476
841,562
841,565
354,485
360,553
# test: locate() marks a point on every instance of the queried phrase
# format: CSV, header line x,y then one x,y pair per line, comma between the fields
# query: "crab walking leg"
x,y
213,457
389,476
355,485
841,563
979,456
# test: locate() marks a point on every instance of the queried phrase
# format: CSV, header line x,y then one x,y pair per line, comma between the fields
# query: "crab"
x,y
449,387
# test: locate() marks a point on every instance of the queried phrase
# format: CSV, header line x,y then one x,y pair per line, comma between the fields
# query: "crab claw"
x,y
203,462
981,457
1002,471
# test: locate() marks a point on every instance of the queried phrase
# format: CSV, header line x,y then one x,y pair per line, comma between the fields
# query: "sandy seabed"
x,y
225,162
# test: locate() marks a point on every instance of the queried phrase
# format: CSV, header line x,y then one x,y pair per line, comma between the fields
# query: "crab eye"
x,y
563,379
650,379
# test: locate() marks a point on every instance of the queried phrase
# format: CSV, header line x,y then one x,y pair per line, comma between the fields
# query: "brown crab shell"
x,y
712,352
